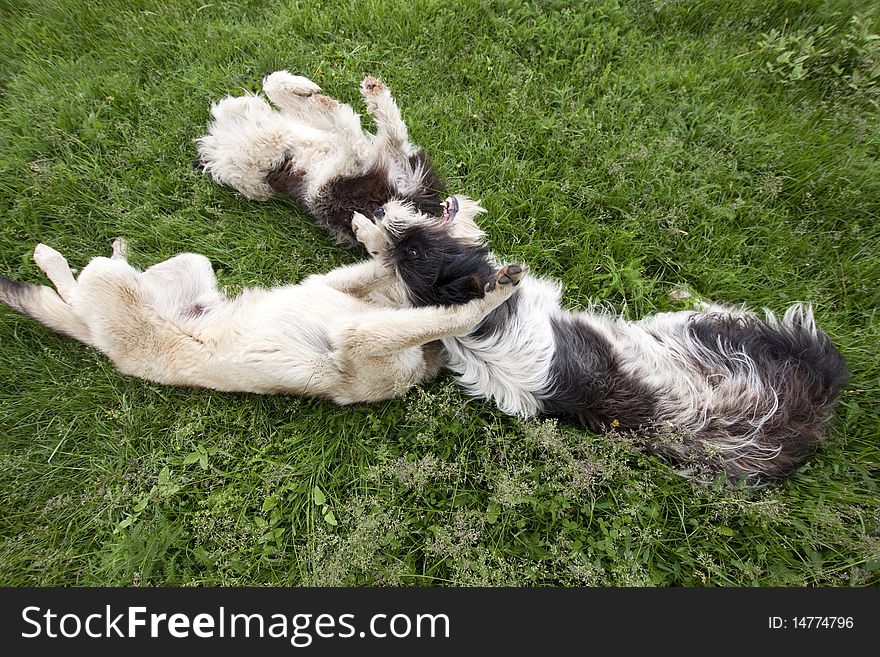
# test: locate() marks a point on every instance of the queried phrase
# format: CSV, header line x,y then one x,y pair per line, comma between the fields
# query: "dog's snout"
x,y
379,212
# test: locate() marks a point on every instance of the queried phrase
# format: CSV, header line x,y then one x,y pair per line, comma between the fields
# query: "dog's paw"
x,y
371,86
358,222
368,233
284,82
325,101
46,257
120,249
507,278
362,228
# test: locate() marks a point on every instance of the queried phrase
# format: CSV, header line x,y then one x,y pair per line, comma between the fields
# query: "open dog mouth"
x,y
450,209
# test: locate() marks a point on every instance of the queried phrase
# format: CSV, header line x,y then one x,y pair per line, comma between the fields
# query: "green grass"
x,y
627,148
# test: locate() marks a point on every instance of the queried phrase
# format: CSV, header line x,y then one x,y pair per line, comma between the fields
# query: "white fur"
x,y
322,137
511,370
331,336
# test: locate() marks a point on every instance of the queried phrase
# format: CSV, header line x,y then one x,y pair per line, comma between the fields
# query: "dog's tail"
x,y
771,387
44,305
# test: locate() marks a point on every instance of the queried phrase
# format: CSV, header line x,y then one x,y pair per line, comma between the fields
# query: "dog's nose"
x,y
379,212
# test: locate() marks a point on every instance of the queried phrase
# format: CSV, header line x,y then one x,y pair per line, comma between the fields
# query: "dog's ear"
x,y
460,290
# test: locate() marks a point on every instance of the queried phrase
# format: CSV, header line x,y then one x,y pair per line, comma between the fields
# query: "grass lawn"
x,y
629,148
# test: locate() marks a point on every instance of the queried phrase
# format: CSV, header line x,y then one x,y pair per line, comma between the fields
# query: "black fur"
x,y
341,197
801,366
780,349
288,181
428,199
589,386
438,269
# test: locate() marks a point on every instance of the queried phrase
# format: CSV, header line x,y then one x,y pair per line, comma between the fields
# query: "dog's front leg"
x,y
357,279
389,124
392,331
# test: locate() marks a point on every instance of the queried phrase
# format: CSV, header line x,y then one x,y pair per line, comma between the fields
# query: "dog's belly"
x,y
384,377
291,341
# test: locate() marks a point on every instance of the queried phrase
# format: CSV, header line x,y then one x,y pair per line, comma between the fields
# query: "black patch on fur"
x,y
588,385
287,181
496,321
198,164
802,368
429,197
439,270
791,345
340,198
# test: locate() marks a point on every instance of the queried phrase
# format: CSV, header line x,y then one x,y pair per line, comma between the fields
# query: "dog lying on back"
x,y
717,391
720,391
346,335
315,152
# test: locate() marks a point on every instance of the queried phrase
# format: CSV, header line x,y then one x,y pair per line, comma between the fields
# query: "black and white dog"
x,y
314,151
717,391
721,391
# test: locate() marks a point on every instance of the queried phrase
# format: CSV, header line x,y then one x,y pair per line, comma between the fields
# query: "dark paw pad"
x,y
510,275
371,85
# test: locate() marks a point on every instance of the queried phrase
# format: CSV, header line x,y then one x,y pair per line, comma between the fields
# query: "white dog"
x,y
342,336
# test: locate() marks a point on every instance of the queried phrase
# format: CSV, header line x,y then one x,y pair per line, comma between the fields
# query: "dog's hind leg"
x,y
300,98
44,305
49,307
183,286
240,108
56,269
247,140
123,308
111,297
293,94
